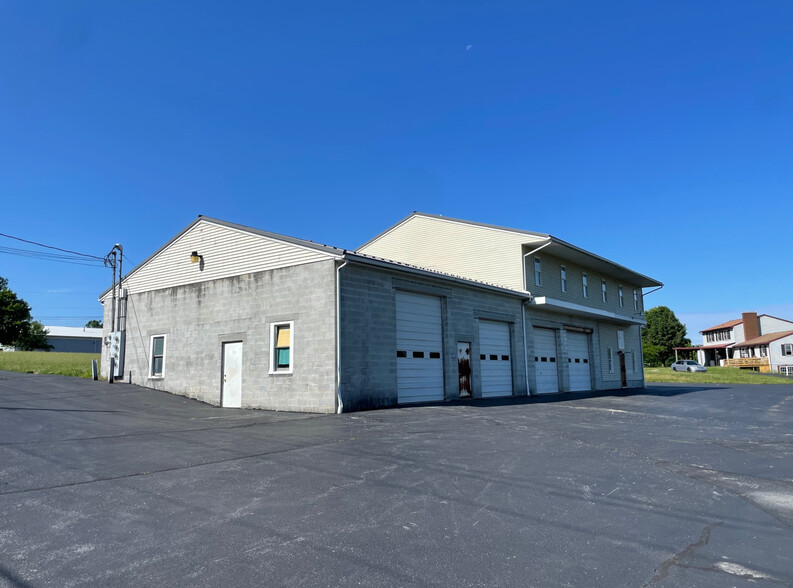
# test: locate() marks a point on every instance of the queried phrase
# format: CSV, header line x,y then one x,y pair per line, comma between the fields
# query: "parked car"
x,y
688,365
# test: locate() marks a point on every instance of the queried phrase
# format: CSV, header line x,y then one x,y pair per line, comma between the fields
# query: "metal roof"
x,y
335,251
74,332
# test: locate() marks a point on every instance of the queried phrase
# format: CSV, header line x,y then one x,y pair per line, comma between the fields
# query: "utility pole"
x,y
115,339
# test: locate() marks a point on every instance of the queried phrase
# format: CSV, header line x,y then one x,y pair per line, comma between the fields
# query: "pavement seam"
x,y
166,470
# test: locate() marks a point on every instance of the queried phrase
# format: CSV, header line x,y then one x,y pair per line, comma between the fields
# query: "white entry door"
x,y
495,359
419,348
545,366
231,388
578,360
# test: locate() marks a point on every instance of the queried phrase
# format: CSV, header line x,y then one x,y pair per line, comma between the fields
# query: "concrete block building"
x,y
430,310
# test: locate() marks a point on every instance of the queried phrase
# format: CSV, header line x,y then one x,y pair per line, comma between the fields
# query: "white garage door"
x,y
578,360
419,348
545,366
495,359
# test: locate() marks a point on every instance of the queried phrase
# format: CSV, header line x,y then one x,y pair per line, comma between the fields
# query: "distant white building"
x,y
74,339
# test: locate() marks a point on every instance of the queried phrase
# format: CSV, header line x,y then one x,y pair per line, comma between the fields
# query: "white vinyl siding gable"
x,y
481,253
770,324
226,252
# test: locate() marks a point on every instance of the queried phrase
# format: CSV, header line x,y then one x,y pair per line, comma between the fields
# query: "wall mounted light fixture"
x,y
195,258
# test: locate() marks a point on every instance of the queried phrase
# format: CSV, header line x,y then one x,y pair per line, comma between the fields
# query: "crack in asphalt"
x,y
663,570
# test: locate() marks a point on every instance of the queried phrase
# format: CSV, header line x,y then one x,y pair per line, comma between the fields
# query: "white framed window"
x,y
563,276
621,296
603,291
635,300
787,349
620,339
611,360
537,271
282,345
763,351
157,356
585,285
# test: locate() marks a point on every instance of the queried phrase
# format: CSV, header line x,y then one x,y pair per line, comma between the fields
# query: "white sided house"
x,y
239,317
754,342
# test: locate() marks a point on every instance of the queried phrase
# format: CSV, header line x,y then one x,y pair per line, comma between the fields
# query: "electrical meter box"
x,y
115,343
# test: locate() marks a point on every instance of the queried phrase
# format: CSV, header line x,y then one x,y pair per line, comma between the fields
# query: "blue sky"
x,y
658,135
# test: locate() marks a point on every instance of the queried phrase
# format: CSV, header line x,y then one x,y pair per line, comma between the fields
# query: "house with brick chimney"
x,y
759,342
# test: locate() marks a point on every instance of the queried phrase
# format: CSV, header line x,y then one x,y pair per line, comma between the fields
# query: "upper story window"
x,y
537,271
603,291
621,295
563,276
787,349
635,300
157,356
585,285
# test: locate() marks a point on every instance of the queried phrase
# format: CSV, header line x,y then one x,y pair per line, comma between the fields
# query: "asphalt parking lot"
x,y
670,486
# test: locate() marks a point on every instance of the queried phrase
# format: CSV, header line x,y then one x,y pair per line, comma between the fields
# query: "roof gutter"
x,y
386,264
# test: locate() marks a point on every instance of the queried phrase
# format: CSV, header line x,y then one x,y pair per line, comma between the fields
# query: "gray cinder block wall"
x,y
368,332
197,318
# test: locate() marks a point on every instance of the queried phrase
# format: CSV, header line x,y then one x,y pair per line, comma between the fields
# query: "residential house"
x,y
756,342
239,317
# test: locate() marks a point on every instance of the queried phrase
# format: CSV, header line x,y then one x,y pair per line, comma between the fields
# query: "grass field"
x,y
42,362
714,375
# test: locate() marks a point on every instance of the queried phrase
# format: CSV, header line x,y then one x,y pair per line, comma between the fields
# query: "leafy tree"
x,y
33,337
14,314
652,355
662,333
93,324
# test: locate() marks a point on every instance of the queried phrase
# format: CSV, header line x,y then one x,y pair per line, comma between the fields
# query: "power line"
x,y
72,259
51,247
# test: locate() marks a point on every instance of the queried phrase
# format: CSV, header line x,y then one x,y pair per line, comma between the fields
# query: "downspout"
x,y
523,314
339,403
525,347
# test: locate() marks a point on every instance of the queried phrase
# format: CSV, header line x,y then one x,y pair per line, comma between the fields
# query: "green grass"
x,y
714,375
42,362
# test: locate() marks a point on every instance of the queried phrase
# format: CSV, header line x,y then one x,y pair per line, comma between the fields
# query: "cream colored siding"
x,y
481,253
226,252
